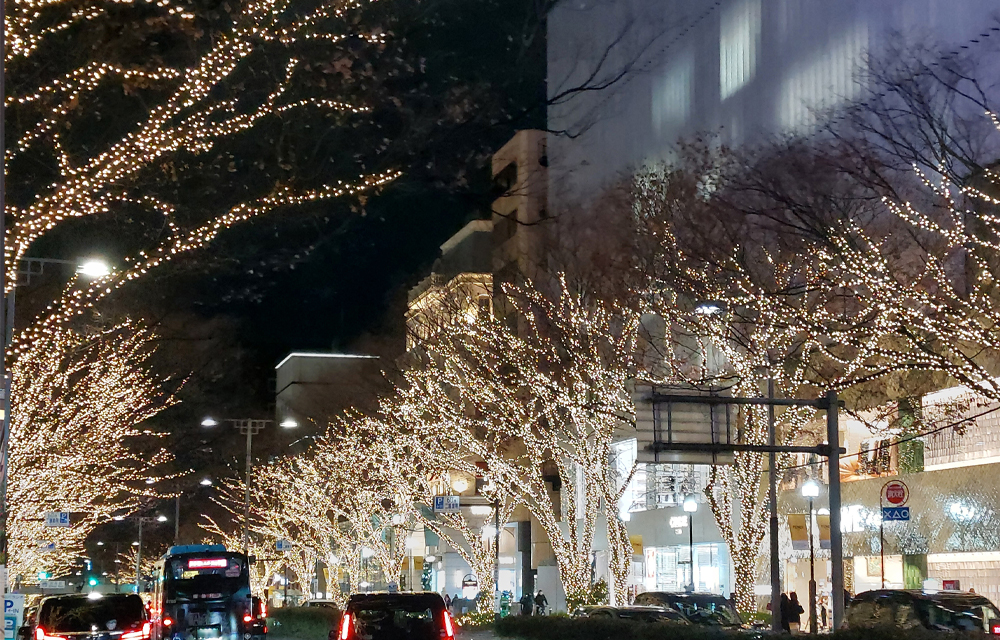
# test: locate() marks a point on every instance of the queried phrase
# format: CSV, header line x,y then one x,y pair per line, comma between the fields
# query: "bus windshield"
x,y
204,578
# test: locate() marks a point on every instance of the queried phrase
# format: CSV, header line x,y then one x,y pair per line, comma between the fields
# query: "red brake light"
x,y
167,622
39,633
995,629
247,617
449,630
345,626
263,608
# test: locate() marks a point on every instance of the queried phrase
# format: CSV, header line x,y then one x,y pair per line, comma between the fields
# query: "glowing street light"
x,y
209,421
94,268
810,489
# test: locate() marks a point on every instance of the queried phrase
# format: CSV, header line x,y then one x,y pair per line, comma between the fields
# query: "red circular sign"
x,y
896,493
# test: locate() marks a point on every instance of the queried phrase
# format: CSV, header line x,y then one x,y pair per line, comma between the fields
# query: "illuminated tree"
x,y
177,119
530,404
75,444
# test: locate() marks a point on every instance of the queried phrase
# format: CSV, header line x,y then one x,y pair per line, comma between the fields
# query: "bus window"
x,y
204,577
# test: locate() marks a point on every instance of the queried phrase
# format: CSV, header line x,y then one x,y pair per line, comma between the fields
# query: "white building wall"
x,y
739,68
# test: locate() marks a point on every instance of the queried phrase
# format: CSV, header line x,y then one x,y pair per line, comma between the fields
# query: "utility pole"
x,y
177,519
772,498
249,428
836,537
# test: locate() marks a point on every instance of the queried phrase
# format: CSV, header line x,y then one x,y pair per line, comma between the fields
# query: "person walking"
x,y
540,602
785,610
447,602
526,604
795,612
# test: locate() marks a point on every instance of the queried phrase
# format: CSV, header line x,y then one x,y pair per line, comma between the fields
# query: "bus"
x,y
202,592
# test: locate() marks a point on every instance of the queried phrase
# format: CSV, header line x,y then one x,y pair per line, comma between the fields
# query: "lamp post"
x,y
92,268
138,550
690,506
811,490
248,427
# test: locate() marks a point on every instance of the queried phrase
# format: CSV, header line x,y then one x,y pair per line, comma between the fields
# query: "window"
x,y
739,41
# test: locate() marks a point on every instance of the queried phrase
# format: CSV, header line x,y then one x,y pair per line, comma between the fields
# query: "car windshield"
x,y
713,611
76,614
205,578
957,615
398,619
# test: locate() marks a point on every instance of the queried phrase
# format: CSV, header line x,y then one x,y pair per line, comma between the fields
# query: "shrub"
x,y
302,623
476,620
596,593
561,628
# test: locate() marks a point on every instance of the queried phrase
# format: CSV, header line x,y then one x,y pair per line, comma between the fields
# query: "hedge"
x,y
564,628
302,623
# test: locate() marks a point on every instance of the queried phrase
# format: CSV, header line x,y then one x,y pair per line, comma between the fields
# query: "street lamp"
x,y
138,548
690,506
811,490
25,267
248,427
94,268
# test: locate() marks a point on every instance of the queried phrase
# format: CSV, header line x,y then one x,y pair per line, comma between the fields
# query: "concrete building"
x,y
312,387
741,69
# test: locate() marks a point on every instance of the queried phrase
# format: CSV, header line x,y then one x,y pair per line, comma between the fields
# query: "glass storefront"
x,y
669,569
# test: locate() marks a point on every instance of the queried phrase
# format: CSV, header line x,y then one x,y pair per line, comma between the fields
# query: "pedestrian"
x,y
795,612
447,602
526,604
785,610
822,615
540,602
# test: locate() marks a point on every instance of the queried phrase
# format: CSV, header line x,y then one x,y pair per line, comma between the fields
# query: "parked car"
x,y
937,610
637,613
92,617
698,608
396,616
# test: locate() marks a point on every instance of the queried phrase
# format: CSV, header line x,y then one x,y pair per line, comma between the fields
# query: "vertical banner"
x,y
823,524
798,531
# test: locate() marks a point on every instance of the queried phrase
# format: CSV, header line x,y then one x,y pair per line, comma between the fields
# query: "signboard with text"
x,y
57,519
447,504
13,614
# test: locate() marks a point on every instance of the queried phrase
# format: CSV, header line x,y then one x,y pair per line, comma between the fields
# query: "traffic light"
x,y
93,581
43,575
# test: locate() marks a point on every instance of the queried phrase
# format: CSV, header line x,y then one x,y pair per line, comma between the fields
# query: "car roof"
x,y
917,594
396,596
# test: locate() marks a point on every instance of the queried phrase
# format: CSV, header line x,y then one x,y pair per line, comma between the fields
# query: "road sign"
x,y
896,493
447,504
57,519
896,514
13,614
283,545
52,584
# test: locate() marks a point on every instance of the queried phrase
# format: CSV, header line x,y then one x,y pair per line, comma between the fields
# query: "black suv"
x,y
92,617
937,610
698,608
396,616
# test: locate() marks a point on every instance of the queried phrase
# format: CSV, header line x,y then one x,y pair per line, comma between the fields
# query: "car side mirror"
x,y
24,633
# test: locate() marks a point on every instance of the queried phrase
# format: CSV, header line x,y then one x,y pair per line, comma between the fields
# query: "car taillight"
x,y
995,629
449,630
139,634
263,609
247,617
345,626
41,635
167,621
